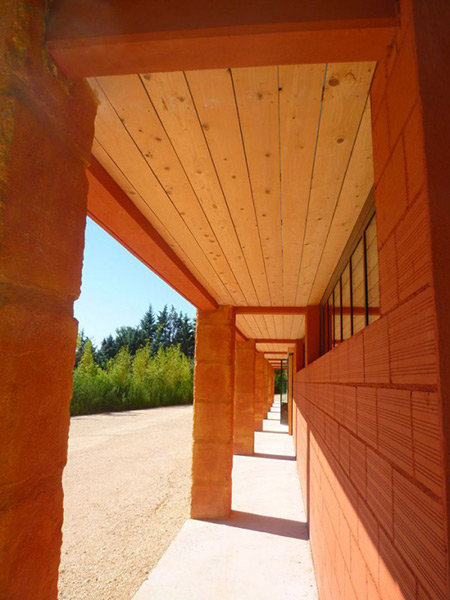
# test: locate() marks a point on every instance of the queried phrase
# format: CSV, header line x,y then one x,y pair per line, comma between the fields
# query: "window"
x,y
354,299
358,288
373,286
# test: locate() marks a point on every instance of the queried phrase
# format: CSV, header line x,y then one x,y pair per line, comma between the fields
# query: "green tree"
x,y
108,349
86,365
161,339
81,342
131,337
185,335
148,326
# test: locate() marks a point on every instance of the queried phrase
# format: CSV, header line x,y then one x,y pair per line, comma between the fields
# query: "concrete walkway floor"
x,y
261,553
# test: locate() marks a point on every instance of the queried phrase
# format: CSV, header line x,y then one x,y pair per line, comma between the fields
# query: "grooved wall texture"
x,y
367,417
244,398
47,125
212,456
260,391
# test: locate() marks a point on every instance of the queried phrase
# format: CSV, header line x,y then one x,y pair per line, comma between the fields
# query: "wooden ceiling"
x,y
254,176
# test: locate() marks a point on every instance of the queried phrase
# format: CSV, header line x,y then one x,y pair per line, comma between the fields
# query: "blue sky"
x,y
116,288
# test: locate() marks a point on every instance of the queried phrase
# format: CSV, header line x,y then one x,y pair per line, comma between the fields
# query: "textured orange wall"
x,y
368,422
259,391
244,394
267,403
270,388
47,129
212,458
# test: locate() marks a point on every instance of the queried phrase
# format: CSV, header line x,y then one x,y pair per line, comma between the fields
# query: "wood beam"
x,y
110,207
270,310
90,38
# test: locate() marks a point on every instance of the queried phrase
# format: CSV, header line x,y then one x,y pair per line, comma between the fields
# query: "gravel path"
x,y
127,485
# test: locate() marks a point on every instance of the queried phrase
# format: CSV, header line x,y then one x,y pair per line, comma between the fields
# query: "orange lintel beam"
x,y
240,337
270,310
91,38
110,207
270,354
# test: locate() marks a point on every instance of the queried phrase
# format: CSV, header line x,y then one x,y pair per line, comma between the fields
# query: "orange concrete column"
x,y
290,390
213,414
259,391
266,388
47,130
244,391
299,355
269,387
312,334
298,366
272,385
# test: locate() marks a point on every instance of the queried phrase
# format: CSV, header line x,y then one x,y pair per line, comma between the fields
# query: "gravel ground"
x,y
127,485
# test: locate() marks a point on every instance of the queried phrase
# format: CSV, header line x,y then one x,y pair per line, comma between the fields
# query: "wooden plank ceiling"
x,y
254,176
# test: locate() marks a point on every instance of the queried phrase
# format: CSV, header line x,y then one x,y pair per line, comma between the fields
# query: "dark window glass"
x,y
355,299
358,289
373,286
337,314
330,322
346,307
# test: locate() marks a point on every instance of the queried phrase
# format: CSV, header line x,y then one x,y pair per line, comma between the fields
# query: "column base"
x,y
210,501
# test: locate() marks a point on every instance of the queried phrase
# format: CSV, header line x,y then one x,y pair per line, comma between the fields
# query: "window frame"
x,y
328,340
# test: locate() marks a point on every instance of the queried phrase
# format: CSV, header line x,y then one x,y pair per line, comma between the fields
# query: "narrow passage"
x,y
261,553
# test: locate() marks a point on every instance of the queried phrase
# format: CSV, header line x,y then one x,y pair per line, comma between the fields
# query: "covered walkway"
x,y
261,552
284,166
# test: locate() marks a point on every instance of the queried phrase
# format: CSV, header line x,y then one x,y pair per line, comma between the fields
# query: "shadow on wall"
x,y
355,520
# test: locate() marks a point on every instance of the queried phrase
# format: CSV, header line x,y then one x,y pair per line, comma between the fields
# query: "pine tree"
x,y
129,337
186,335
148,326
108,350
160,340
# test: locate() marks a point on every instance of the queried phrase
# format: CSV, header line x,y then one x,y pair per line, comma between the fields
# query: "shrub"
x,y
127,382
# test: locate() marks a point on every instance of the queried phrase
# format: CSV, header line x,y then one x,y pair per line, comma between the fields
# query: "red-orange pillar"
x,y
266,388
298,365
290,391
269,386
299,355
312,333
213,414
47,129
259,391
272,385
244,391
